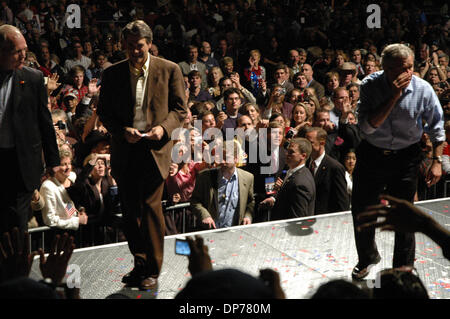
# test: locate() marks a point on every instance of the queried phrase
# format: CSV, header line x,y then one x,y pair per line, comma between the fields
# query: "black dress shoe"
x,y
134,278
362,270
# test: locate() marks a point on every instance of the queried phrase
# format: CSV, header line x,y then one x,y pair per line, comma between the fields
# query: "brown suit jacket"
x,y
166,101
204,197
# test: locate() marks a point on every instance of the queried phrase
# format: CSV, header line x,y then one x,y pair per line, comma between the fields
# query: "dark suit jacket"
x,y
33,126
255,169
331,187
166,104
297,196
320,90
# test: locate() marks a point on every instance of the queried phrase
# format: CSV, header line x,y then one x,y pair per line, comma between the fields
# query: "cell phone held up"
x,y
182,247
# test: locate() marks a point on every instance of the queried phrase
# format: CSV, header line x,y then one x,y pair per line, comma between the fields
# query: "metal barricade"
x,y
176,208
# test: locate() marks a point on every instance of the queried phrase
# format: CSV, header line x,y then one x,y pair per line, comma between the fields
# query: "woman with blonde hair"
x,y
214,76
301,118
59,210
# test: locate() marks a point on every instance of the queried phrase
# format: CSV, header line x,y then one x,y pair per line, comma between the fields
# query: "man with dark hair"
x,y
394,104
77,58
26,129
196,93
228,118
297,194
357,59
142,101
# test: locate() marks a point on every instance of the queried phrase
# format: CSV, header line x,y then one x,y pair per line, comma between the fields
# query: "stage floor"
x,y
306,252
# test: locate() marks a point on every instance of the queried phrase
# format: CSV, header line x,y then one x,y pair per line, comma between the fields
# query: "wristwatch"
x,y
438,159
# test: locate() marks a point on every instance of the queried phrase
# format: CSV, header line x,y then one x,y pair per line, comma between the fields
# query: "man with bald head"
x,y
308,71
26,129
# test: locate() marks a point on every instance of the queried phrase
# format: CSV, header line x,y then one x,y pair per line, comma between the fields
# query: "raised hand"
x,y
400,215
52,83
199,259
93,89
55,265
15,259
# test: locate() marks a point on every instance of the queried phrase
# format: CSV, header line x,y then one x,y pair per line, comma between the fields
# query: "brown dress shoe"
x,y
148,283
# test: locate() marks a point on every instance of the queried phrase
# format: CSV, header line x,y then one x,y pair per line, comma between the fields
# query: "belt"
x,y
388,152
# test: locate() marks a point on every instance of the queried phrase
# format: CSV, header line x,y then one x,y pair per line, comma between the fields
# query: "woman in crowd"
x,y
331,83
300,119
181,180
255,73
277,103
214,76
339,59
312,104
59,210
349,164
95,188
294,96
252,110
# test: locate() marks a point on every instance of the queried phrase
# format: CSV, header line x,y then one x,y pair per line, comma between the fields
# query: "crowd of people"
x,y
276,84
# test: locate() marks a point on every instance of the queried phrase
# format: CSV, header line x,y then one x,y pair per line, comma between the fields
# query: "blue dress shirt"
x,y
228,199
417,109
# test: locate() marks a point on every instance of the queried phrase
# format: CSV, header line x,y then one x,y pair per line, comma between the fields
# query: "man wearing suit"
x,y
297,193
329,175
26,129
142,101
267,162
308,71
223,196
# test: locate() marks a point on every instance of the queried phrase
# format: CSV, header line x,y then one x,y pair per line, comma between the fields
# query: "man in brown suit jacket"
x,y
142,101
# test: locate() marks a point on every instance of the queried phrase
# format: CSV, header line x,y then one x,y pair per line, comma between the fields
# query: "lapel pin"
x,y
22,82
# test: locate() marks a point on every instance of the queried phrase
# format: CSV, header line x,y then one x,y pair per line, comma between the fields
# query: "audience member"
x,y
329,176
277,103
309,73
296,194
220,284
255,73
227,118
196,93
349,164
339,289
223,196
59,210
401,215
77,58
206,58
16,262
214,76
192,64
